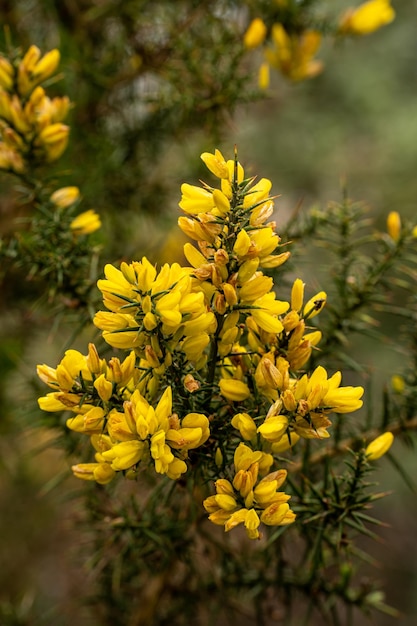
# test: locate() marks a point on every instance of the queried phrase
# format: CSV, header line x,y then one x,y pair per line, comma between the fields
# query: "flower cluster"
x,y
248,501
125,429
216,377
31,127
291,49
159,314
367,18
67,198
56,246
291,54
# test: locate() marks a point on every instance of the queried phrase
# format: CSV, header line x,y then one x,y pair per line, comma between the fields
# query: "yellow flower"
x,y
221,201
6,73
255,34
216,163
89,423
367,18
379,446
278,514
86,223
245,500
84,385
293,55
250,520
255,288
257,193
398,383
104,387
300,406
196,200
65,197
53,140
235,390
143,432
242,243
265,310
394,225
285,443
102,473
315,305
51,403
245,425
193,347
33,69
297,295
263,76
161,452
193,433
10,159
124,455
274,428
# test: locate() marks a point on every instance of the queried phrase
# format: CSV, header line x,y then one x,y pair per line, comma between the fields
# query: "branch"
x,y
396,428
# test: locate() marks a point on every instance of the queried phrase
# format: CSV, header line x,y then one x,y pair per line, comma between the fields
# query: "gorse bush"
x,y
215,347
218,400
216,389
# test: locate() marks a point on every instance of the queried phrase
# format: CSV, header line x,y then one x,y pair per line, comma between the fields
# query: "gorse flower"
x,y
379,446
65,197
216,378
31,128
247,500
290,37
293,55
85,223
56,246
394,225
367,18
255,34
106,401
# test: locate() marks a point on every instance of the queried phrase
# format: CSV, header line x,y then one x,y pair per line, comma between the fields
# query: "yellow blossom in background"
x,y
367,18
264,76
293,55
10,159
255,34
86,223
6,73
35,68
32,123
379,446
52,141
394,225
65,197
397,383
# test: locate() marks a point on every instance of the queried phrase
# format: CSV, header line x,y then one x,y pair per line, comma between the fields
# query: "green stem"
x,y
347,444
212,362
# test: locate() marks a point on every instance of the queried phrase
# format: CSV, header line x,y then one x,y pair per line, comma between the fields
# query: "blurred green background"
x,y
135,138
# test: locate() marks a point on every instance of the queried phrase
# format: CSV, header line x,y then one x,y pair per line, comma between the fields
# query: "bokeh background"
x,y
135,137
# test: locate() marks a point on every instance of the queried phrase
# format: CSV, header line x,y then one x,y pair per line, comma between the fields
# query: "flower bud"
x,y
255,34
394,225
235,390
379,446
